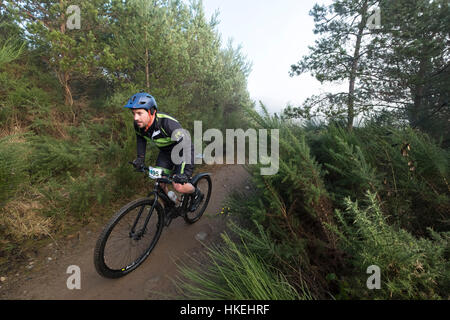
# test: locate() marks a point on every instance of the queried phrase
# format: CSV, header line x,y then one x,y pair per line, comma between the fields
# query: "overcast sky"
x,y
274,35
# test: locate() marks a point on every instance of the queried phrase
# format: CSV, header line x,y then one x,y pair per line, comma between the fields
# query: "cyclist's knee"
x,y
183,188
178,187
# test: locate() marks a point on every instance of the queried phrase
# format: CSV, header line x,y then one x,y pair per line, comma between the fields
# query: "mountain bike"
x,y
132,233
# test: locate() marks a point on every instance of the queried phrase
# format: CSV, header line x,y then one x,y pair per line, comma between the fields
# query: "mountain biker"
x,y
153,126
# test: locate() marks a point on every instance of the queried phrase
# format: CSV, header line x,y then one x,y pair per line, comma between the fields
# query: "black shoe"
x,y
196,199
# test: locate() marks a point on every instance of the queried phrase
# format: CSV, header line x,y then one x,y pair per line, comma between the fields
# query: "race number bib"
x,y
155,173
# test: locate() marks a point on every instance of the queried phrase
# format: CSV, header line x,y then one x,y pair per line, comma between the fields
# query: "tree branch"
x,y
29,14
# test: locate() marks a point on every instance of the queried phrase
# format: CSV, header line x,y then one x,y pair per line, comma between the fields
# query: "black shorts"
x,y
164,161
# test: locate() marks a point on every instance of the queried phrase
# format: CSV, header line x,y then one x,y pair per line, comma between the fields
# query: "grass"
x,y
235,272
22,219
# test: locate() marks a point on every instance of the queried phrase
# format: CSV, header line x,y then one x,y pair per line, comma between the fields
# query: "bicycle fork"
x,y
138,235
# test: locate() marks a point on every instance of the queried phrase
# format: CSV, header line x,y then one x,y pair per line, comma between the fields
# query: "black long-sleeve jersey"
x,y
159,133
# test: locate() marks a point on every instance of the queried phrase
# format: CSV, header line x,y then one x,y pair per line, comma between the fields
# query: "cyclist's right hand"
x,y
139,164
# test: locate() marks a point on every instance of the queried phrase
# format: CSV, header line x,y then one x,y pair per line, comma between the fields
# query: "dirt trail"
x,y
47,277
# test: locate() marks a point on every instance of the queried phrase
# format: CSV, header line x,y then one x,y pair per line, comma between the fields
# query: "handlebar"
x,y
166,180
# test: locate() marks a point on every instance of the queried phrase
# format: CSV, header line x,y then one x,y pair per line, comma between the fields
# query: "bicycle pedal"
x,y
168,221
172,214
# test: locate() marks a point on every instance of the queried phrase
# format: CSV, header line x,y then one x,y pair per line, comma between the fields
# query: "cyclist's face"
x,y
141,117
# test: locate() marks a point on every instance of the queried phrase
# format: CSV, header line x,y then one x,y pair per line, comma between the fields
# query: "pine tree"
x,y
409,62
69,52
339,55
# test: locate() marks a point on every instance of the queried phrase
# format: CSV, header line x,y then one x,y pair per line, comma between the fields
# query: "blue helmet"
x,y
141,100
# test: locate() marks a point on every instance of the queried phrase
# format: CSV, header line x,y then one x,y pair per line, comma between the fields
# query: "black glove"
x,y
180,178
139,164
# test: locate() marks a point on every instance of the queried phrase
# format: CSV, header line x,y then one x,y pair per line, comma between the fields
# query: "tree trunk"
x,y
64,76
354,68
147,75
418,93
68,99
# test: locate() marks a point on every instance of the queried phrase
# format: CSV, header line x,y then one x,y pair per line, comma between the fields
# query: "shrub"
x,y
411,268
406,169
13,165
85,192
52,156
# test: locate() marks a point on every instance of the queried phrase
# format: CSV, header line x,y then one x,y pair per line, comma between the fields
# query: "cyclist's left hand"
x,y
180,178
139,164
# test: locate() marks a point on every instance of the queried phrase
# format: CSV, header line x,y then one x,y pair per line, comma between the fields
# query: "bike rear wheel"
x,y
205,186
121,248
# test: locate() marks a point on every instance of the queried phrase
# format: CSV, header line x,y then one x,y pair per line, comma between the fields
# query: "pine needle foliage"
x,y
411,267
407,170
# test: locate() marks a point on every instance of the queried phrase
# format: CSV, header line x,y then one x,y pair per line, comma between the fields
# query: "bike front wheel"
x,y
128,238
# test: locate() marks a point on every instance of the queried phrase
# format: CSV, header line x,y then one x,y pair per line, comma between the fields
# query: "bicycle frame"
x,y
158,192
168,204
